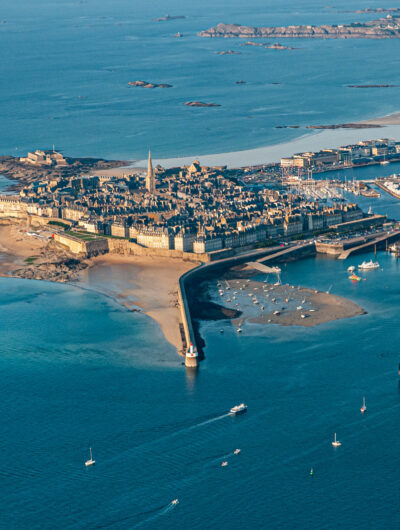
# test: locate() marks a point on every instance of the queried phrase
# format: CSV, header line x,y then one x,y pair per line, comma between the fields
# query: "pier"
x,y
381,239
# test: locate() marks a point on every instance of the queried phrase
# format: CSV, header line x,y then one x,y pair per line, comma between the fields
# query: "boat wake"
x,y
212,420
159,513
173,434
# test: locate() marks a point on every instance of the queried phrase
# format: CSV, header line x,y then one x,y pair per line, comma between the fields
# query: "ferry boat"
x,y
368,265
354,278
238,409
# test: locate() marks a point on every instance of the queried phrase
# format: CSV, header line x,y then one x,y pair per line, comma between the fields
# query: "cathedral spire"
x,y
150,181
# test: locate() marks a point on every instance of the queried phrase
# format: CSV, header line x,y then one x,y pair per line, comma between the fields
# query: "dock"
x,y
383,238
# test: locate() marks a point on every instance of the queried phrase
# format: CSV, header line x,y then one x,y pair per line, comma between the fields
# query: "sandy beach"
x,y
285,305
310,140
145,282
16,246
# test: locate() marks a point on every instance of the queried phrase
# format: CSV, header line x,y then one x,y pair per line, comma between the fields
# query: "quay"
x,y
385,239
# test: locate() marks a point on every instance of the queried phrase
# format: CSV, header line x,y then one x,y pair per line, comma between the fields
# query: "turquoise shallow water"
x,y
65,68
78,370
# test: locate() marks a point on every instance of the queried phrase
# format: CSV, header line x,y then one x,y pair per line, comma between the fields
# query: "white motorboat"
x,y
224,464
351,268
175,501
238,409
90,462
368,265
236,451
364,407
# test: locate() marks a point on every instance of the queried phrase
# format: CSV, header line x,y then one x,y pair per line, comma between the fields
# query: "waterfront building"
x,y
44,158
184,241
119,230
203,244
155,238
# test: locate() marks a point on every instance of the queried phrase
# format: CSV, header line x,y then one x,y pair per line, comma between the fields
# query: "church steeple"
x,y
150,181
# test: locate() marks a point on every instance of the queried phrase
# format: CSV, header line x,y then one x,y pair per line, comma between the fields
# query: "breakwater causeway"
x,y
191,301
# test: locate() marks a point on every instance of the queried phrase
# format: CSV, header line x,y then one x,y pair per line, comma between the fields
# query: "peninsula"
x,y
383,28
175,219
48,164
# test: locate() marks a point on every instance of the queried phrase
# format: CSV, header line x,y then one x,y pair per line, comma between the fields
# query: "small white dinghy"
x,y
90,462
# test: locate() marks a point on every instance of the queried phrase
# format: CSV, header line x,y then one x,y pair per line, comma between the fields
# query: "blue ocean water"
x,y
66,66
78,370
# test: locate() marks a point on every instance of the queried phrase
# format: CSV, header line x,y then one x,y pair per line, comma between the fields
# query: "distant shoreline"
x,y
311,140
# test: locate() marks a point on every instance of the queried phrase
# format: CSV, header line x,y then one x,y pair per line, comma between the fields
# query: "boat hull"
x,y
237,412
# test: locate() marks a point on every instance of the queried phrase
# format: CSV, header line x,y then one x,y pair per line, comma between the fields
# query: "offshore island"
x,y
382,28
175,233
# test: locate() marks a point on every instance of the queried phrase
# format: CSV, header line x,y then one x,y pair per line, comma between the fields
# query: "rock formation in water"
x,y
383,28
146,84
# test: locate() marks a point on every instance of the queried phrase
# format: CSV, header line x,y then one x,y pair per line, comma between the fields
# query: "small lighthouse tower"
x,y
191,357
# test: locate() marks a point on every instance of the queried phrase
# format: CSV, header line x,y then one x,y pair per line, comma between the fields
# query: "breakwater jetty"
x,y
194,344
381,241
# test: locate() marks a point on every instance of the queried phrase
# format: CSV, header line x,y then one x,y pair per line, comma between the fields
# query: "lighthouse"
x,y
191,357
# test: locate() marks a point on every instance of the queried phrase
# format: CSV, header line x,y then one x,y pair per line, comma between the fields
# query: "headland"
x,y
152,229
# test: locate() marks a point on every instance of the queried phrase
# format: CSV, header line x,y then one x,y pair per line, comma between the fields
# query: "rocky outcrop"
x,y
169,17
372,86
146,84
228,52
384,28
345,126
200,104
